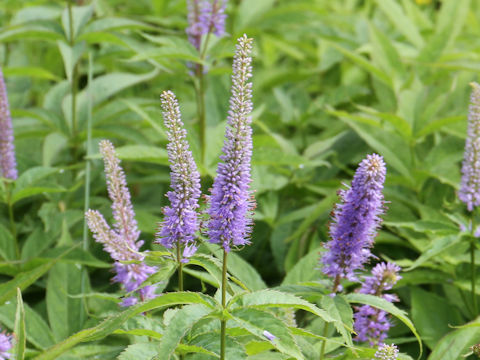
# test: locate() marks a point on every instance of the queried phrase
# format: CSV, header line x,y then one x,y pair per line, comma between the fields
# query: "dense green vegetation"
x,y
332,82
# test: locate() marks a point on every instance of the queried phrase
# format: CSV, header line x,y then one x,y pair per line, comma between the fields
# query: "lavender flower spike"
x,y
8,164
372,324
355,221
121,241
181,221
5,346
470,187
387,352
205,16
231,201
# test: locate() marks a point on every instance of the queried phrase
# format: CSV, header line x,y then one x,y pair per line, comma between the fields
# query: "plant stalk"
x,y
180,266
472,264
88,147
223,329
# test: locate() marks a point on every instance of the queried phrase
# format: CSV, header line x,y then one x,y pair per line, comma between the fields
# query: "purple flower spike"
x,y
231,201
205,16
372,324
470,187
181,220
387,352
122,241
8,164
355,221
5,346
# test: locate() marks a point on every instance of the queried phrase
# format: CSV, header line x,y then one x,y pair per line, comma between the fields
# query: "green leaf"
x,y
19,329
457,343
182,321
272,298
63,310
394,12
433,328
383,304
112,23
7,244
139,351
240,269
249,11
385,54
22,281
438,246
80,16
103,87
303,271
27,183
29,71
37,331
209,263
452,16
111,324
148,154
75,256
257,322
70,56
364,64
340,310
145,116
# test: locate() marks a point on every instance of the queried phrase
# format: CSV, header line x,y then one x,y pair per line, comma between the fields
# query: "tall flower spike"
x,y
387,352
205,16
5,346
8,164
355,221
231,200
121,241
470,187
181,221
372,324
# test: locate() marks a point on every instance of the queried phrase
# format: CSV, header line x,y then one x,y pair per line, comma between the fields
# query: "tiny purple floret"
x,y
8,164
5,345
205,16
387,352
469,191
231,201
372,324
122,241
181,221
355,221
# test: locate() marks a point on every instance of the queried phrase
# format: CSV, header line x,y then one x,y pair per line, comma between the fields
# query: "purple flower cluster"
x,y
121,241
231,201
5,345
372,324
470,188
181,220
387,352
205,16
355,221
8,164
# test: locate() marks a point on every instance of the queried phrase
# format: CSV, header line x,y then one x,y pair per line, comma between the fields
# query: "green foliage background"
x,y
333,81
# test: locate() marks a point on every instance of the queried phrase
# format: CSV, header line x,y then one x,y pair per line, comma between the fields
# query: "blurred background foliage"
x,y
333,81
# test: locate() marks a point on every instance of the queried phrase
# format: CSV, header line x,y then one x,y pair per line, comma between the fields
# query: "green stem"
x,y
73,87
223,330
88,146
324,342
180,266
472,265
201,100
